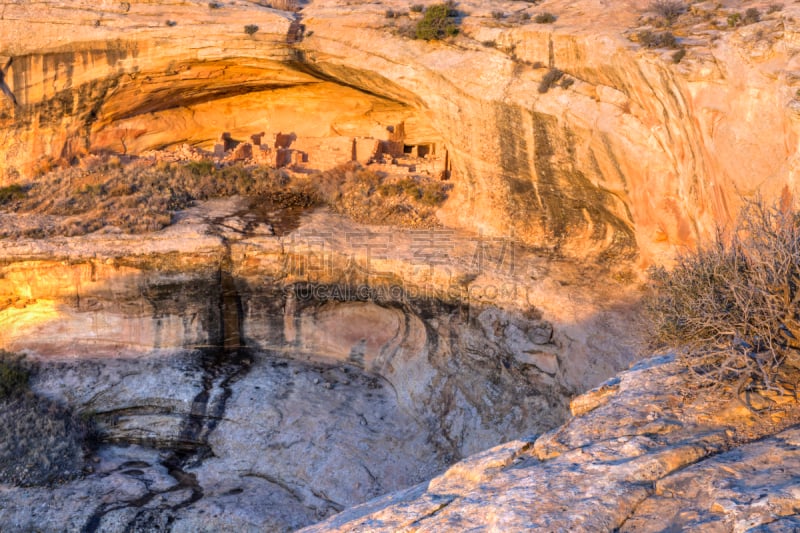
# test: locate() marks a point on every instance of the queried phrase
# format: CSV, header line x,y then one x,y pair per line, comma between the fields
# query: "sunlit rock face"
x,y
638,154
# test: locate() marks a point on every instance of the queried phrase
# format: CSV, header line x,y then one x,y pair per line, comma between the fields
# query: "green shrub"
x,y
734,19
437,23
731,308
250,29
544,18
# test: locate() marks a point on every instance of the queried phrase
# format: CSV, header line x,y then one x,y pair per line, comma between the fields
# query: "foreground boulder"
x,y
651,455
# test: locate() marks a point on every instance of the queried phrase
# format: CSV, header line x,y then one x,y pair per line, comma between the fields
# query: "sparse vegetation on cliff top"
x,y
651,39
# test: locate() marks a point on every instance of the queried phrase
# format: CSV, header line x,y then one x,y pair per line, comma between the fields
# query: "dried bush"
x,y
550,78
250,29
40,441
751,16
731,309
12,192
365,196
426,192
678,55
142,195
651,39
497,14
669,10
544,18
437,23
774,8
392,14
417,8
13,375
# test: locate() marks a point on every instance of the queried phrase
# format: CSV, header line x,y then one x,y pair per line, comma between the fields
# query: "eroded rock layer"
x,y
289,374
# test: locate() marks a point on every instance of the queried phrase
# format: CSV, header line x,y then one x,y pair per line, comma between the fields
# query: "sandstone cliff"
x,y
638,153
362,360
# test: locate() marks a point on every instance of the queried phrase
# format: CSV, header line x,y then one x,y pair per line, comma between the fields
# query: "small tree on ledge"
x,y
437,23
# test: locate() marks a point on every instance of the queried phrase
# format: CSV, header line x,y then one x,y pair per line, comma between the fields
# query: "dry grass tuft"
x,y
368,197
142,195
